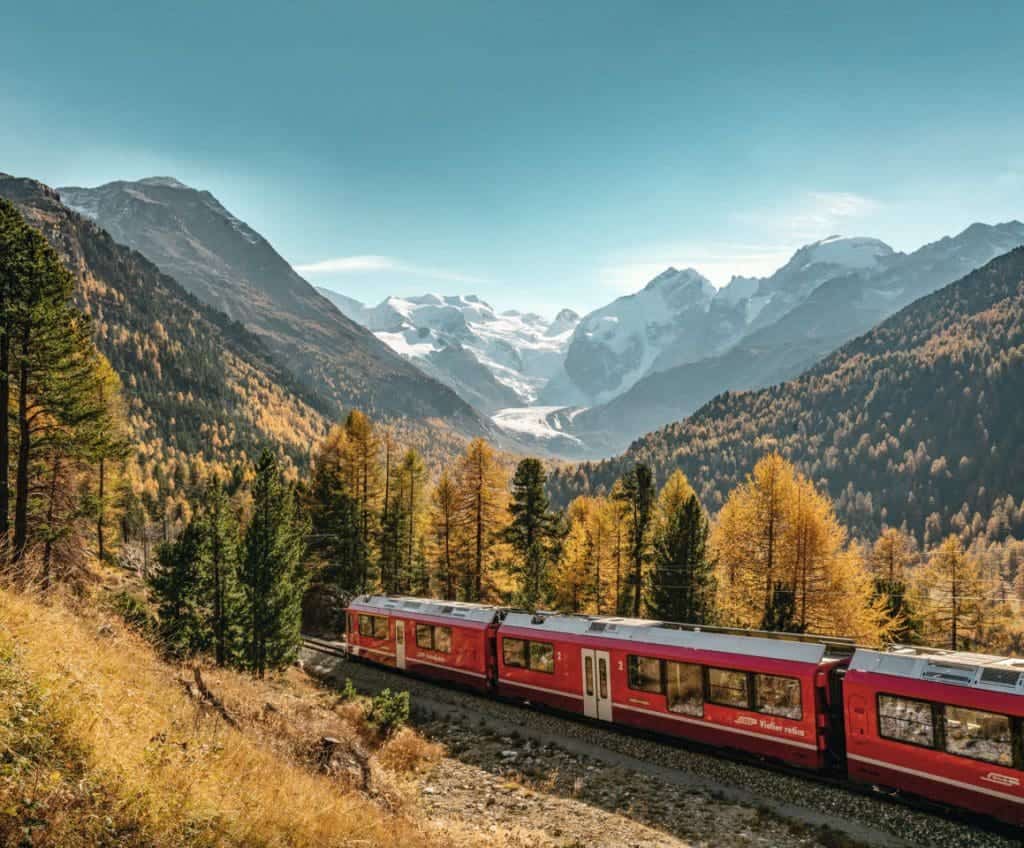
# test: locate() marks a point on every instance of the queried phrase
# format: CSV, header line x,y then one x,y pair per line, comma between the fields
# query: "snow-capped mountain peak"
x,y
494,359
852,253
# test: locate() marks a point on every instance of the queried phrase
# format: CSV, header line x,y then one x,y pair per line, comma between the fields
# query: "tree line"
x,y
248,555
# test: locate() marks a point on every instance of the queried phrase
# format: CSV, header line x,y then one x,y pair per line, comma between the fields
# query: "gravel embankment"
x,y
594,786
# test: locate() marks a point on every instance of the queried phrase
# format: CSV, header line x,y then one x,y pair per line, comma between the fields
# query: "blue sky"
x,y
538,154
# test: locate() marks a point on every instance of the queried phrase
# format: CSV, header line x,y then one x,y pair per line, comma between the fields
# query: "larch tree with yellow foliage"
x,y
952,596
784,560
482,508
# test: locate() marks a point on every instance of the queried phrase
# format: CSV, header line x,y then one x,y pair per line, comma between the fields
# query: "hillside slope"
x,y
195,381
919,420
189,235
839,309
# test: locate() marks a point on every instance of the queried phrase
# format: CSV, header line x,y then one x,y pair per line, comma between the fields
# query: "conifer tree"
x,y
952,596
682,580
481,508
336,517
444,535
532,532
637,495
412,478
184,618
219,540
271,572
365,482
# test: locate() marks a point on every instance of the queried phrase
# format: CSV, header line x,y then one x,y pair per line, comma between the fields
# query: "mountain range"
x,y
493,360
917,422
587,387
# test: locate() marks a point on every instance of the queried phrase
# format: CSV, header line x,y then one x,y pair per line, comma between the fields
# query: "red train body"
x,y
944,726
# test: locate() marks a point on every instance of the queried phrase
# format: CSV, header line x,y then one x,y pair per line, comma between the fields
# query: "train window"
x,y
684,688
729,688
588,661
366,625
778,696
602,678
979,735
380,627
542,657
645,675
514,652
432,637
906,720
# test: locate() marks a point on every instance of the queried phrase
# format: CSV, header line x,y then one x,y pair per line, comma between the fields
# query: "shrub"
x,y
134,612
389,711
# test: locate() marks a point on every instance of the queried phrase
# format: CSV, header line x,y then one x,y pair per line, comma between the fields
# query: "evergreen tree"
x,y
412,477
682,580
176,585
637,495
336,518
532,532
218,528
271,572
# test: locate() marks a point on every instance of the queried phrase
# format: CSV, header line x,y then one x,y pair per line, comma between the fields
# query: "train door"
x,y
597,685
399,643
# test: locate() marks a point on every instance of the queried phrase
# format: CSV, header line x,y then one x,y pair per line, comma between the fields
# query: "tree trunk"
x,y
48,547
24,456
5,442
101,511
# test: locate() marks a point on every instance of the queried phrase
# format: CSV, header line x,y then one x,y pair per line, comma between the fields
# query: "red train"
x,y
946,726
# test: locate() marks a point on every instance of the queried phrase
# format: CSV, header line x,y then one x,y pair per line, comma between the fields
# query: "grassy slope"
x,y
101,744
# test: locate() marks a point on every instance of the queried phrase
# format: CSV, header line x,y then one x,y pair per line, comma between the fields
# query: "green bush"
x,y
134,612
389,711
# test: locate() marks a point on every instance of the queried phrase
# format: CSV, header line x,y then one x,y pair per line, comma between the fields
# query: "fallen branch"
x,y
211,699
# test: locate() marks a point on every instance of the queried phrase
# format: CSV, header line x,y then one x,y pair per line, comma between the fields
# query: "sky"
x,y
539,155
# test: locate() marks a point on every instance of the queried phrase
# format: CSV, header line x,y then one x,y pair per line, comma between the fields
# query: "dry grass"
x,y
167,771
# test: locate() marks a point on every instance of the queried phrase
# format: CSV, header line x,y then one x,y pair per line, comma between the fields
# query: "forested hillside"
x,y
225,263
197,385
918,422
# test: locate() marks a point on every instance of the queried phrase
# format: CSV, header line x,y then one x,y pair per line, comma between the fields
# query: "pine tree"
x,y
336,518
532,532
637,494
682,580
176,585
271,571
219,540
47,356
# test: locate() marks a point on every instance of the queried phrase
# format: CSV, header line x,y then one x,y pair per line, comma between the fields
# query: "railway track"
x,y
832,782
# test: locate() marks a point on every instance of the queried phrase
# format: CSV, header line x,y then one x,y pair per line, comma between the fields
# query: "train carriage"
x,y
942,725
441,640
767,696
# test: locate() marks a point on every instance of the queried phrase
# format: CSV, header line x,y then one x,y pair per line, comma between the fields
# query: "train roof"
x,y
460,610
959,668
756,643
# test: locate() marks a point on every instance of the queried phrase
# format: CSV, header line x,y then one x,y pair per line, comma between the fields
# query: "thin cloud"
x,y
811,216
719,262
370,263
